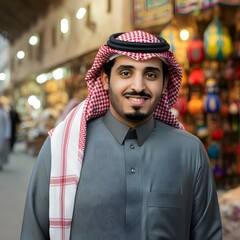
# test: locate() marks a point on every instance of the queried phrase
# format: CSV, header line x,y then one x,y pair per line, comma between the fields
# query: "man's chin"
x,y
136,116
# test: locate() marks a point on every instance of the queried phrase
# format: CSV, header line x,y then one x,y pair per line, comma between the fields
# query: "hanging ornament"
x,y
181,105
196,77
195,51
217,134
234,108
218,171
213,151
212,102
195,104
217,41
170,33
224,109
228,73
202,131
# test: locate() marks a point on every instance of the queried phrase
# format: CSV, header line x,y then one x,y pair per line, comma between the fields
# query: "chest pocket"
x,y
164,215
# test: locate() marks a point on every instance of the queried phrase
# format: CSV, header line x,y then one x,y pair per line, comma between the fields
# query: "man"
x,y
15,121
120,166
4,135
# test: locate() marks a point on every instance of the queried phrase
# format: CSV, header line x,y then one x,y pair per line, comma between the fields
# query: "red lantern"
x,y
196,77
217,134
195,51
181,105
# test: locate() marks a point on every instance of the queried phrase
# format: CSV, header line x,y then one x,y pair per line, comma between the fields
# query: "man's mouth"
x,y
136,98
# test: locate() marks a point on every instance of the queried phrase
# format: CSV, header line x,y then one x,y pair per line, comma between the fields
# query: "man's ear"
x,y
104,78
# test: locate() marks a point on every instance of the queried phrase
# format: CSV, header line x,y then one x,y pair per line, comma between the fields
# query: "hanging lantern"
x,y
195,51
195,104
224,109
211,86
234,108
217,41
212,102
202,131
217,134
196,77
170,33
228,73
181,105
213,151
218,171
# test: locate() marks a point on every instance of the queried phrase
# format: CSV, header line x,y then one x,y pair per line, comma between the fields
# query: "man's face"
x,y
134,89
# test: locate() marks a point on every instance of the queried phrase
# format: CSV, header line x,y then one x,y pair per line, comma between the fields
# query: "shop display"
x,y
209,98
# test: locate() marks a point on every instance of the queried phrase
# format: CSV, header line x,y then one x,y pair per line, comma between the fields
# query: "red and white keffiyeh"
x,y
68,138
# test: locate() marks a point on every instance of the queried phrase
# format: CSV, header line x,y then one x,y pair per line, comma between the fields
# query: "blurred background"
x,y
47,46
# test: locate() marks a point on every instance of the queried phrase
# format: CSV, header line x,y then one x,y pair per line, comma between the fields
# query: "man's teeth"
x,y
136,99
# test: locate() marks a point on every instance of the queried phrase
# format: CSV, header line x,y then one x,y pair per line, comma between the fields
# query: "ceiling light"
x,y
2,76
64,25
20,54
184,34
81,13
33,40
58,74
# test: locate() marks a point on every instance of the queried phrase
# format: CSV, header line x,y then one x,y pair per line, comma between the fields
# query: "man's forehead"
x,y
125,60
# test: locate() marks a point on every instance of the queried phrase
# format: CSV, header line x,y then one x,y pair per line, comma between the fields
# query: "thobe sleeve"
x,y
36,214
206,220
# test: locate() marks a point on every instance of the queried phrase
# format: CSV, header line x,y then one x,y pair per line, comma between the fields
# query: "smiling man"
x,y
120,166
135,89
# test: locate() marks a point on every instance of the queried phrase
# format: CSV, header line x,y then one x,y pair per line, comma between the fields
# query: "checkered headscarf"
x,y
68,138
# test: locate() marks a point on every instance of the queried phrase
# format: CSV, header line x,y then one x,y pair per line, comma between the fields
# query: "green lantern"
x,y
217,41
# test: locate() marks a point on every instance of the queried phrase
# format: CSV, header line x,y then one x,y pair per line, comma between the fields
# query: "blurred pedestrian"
x,y
15,121
5,125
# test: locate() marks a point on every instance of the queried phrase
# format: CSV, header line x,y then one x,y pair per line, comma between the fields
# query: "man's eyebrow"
x,y
156,69
132,67
125,67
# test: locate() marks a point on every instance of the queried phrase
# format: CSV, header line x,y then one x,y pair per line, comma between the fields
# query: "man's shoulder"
x,y
95,122
163,128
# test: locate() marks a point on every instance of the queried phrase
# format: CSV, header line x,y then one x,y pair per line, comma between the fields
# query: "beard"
x,y
136,115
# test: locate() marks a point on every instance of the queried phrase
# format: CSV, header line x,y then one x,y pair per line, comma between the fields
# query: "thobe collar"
x,y
120,130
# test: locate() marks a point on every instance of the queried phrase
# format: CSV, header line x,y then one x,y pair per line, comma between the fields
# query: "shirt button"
x,y
133,170
132,146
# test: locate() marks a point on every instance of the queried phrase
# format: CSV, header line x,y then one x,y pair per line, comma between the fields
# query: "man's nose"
x,y
138,83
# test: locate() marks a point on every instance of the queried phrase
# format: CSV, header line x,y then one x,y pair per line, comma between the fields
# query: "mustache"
x,y
134,93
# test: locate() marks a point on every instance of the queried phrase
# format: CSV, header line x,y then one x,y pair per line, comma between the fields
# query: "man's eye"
x,y
125,73
151,75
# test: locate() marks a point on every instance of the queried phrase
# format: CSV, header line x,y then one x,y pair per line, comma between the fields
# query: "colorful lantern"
x,y
202,131
196,77
212,102
213,151
171,34
217,41
234,108
217,134
211,86
195,104
224,109
181,105
195,51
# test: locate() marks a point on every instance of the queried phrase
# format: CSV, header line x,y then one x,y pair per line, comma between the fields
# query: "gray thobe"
x,y
157,187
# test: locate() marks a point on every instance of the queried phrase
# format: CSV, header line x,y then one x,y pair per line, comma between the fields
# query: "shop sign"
x,y
148,13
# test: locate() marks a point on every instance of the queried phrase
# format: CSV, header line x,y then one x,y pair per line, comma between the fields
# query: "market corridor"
x,y
14,179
